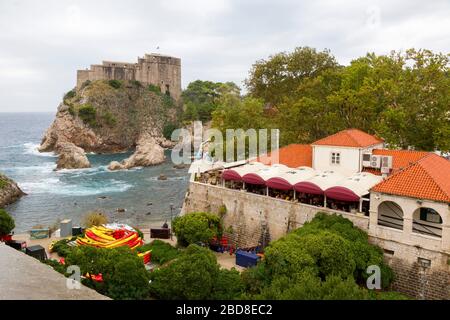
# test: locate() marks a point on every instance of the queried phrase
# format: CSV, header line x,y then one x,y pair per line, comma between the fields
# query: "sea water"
x,y
56,195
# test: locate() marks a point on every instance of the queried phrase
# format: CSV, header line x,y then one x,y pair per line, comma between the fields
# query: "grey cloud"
x,y
43,43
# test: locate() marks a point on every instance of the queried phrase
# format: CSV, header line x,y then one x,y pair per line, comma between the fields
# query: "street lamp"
x,y
171,219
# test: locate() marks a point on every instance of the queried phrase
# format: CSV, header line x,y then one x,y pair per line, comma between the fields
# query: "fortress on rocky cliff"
x,y
159,70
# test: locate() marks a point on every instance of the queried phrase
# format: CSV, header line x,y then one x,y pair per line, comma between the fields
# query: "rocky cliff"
x,y
9,191
108,117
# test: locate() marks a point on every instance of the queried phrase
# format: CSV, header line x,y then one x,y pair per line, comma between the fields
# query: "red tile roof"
x,y
293,156
401,158
428,178
349,138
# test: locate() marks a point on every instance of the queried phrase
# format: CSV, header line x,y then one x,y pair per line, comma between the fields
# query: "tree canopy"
x,y
327,258
195,275
201,98
196,227
7,223
402,97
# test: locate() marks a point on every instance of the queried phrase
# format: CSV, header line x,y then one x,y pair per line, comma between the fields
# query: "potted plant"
x,y
6,226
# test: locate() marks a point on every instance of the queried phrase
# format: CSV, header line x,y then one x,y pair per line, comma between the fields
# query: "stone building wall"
x,y
249,215
162,71
256,219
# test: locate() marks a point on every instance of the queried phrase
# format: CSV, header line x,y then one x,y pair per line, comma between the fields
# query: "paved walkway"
x,y
25,278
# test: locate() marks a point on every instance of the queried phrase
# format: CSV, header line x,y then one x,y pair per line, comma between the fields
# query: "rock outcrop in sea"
x,y
71,157
110,117
9,191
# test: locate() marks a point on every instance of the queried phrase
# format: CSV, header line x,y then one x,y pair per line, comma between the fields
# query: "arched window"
x,y
427,221
390,215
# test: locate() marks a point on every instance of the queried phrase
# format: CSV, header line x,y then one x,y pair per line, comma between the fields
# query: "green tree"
x,y
327,258
280,75
195,275
88,114
306,286
402,97
124,273
6,223
196,227
288,256
162,252
201,98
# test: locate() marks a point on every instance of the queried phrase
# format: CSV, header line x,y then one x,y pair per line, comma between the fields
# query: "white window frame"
x,y
335,158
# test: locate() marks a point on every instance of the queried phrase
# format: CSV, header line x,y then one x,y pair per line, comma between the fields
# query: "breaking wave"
x,y
54,185
32,148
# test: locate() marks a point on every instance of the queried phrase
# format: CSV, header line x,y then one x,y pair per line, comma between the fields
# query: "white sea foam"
x,y
55,186
32,148
45,167
83,171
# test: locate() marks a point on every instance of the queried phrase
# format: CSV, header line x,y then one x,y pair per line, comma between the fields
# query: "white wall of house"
x,y
410,208
350,159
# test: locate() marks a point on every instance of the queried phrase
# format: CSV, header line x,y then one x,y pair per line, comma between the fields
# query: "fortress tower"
x,y
156,69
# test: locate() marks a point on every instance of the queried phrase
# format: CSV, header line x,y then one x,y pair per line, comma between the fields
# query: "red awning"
x,y
231,175
308,187
341,194
278,183
253,178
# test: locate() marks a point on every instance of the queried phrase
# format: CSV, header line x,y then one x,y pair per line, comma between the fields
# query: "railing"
x,y
386,223
362,219
427,229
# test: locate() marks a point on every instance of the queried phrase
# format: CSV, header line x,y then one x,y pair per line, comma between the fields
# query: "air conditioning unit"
x,y
385,170
375,161
386,162
366,159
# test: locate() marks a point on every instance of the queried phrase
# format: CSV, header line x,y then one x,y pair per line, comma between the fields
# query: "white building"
x,y
344,151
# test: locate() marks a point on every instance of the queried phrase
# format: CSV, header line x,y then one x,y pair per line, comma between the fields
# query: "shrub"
x,y
136,83
168,129
168,101
70,94
62,248
109,118
72,110
124,274
61,268
94,219
85,84
162,252
228,285
196,227
3,183
195,275
287,256
154,89
116,84
303,286
364,254
331,253
6,223
387,295
306,286
88,114
334,288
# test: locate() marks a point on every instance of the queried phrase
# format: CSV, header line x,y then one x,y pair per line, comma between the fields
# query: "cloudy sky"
x,y
43,43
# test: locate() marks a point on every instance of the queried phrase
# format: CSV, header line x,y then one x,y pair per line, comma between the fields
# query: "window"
x,y
430,215
335,158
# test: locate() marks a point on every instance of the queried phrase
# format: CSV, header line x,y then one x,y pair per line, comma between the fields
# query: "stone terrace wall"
x,y
413,277
257,219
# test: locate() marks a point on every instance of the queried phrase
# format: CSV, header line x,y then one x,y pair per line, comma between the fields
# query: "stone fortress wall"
x,y
422,268
156,69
